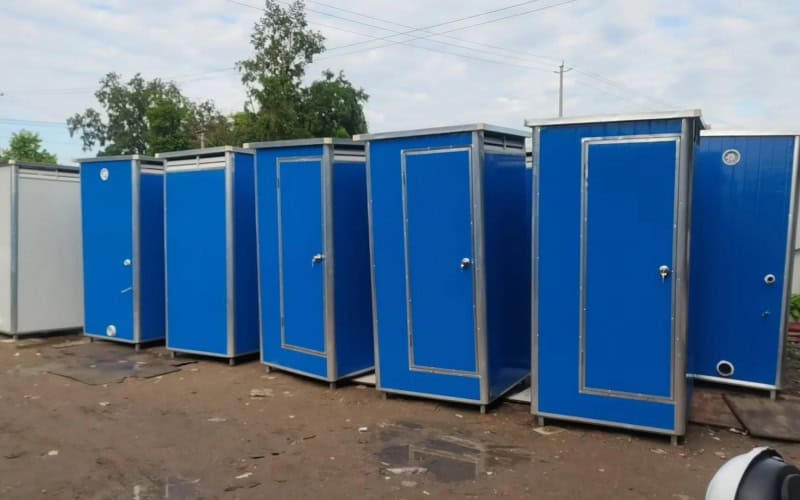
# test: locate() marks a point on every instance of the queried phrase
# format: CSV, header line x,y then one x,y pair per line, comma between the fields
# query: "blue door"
x,y
301,256
438,254
197,262
628,235
107,211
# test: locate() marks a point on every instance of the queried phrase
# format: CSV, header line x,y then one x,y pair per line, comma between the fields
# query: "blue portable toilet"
x,y
743,226
610,269
313,251
450,238
210,240
122,207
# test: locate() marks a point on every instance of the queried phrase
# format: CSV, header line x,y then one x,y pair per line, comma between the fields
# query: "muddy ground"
x,y
198,433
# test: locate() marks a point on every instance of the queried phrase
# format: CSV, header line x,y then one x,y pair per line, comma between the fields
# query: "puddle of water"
x,y
447,458
172,488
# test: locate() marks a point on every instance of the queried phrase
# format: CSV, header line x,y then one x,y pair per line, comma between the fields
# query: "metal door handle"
x,y
664,271
317,259
130,288
465,263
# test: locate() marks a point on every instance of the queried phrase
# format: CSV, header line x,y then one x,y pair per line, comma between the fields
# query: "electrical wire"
x,y
186,78
372,38
424,37
449,37
507,52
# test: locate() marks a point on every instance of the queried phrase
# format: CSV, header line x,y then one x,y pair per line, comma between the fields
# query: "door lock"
x,y
465,263
126,262
317,259
664,271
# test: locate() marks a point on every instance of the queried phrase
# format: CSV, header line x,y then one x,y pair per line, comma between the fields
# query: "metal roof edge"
x,y
472,127
136,157
51,167
749,133
301,142
171,155
612,118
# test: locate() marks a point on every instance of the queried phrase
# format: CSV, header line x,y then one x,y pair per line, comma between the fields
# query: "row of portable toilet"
x,y
442,260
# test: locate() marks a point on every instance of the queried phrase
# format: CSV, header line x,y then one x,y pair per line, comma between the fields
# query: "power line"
x,y
600,78
506,52
413,28
185,78
625,88
438,25
460,28
372,38
407,42
31,123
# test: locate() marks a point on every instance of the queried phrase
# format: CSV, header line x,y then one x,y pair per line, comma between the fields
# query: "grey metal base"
x,y
75,330
540,419
269,366
232,360
137,346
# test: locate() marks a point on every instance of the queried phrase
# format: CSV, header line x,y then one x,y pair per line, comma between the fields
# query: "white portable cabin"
x,y
41,277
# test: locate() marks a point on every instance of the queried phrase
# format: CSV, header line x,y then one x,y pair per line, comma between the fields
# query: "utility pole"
x,y
560,73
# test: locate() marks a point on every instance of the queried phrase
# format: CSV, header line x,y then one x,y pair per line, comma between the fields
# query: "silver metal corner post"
x,y
136,243
259,279
479,270
326,173
230,246
536,165
166,255
681,304
14,249
373,291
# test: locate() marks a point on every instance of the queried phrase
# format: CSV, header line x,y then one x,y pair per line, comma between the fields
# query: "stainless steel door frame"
x,y
679,271
323,180
412,366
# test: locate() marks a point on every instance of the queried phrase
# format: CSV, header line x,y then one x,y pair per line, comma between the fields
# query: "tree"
x,y
209,127
27,146
279,107
143,117
334,108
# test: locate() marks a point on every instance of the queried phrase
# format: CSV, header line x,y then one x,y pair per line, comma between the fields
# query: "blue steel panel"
x,y
630,217
301,227
267,207
507,211
439,237
390,285
196,262
559,280
739,235
246,281
151,241
107,241
354,343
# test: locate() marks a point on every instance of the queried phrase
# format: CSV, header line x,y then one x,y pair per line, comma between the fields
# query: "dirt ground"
x,y
198,433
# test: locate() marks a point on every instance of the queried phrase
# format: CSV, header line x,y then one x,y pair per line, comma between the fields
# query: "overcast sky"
x,y
735,59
